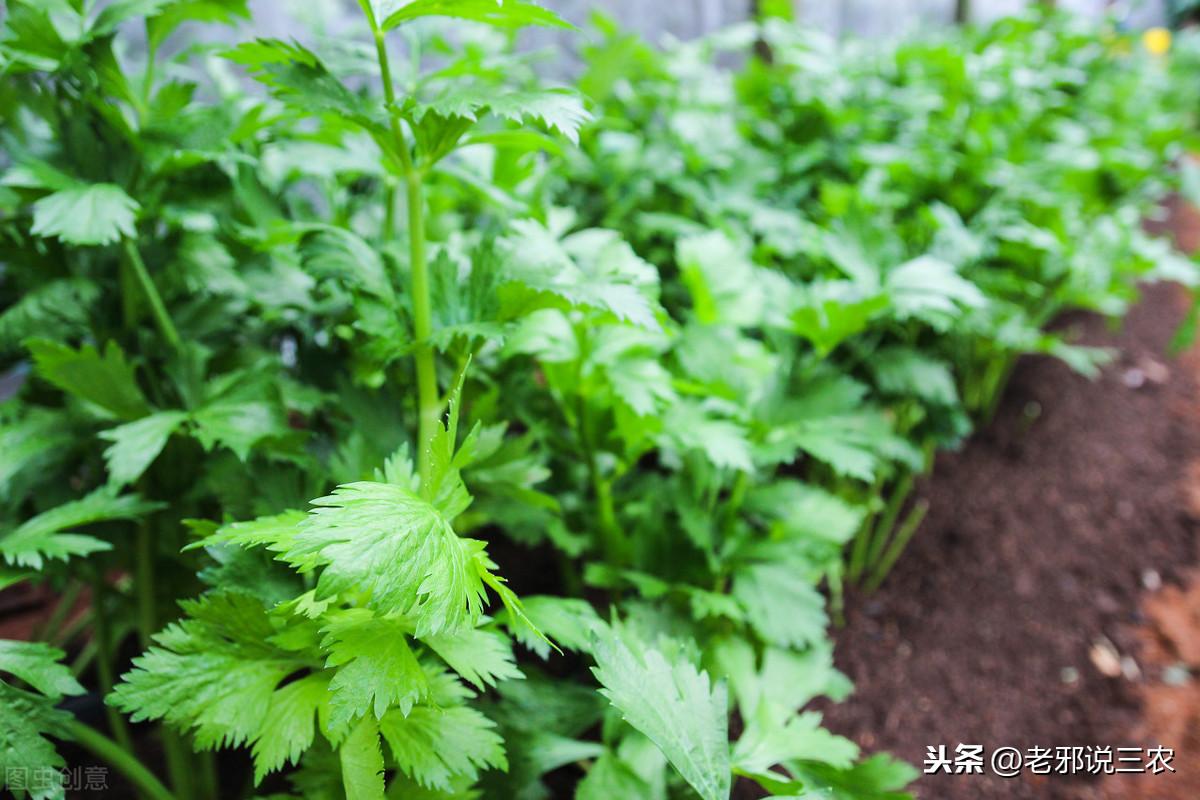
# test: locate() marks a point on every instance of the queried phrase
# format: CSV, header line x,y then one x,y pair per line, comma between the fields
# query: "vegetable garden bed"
x,y
1063,533
387,422
1045,533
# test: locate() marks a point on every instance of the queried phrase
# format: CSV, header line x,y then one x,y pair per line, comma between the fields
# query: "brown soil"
x,y
1170,648
1016,618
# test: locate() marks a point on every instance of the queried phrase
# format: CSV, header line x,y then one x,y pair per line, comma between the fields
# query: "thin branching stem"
x,y
102,635
112,754
162,318
428,403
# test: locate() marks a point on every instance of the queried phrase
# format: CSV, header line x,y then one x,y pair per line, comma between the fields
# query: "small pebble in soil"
x,y
1105,658
1151,580
1134,378
1177,675
1130,669
1155,371
1069,675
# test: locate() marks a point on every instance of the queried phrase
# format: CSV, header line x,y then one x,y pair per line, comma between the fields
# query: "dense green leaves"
x,y
675,705
688,343
435,746
49,536
216,673
106,381
763,589
590,268
28,760
86,215
560,110
396,548
481,656
500,13
361,759
37,664
135,445
289,727
301,79
378,669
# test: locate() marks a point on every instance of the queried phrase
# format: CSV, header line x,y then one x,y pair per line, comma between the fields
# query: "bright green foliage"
x,y
106,381
762,589
48,535
135,445
378,669
436,746
27,717
480,656
560,110
501,13
88,215
673,704
288,729
397,549
37,664
362,762
681,340
217,672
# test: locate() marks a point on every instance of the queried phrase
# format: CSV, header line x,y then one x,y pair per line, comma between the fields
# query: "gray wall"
x,y
869,18
689,18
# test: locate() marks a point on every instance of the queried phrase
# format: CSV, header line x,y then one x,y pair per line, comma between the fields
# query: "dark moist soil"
x,y
1170,695
1016,617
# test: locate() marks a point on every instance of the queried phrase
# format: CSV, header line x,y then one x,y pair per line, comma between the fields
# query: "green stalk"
x,y
151,60
87,654
612,540
996,380
389,94
165,325
737,497
729,518
144,578
179,765
129,293
568,573
429,407
111,753
862,539
837,594
102,636
389,211
903,537
858,556
177,755
615,543
71,629
428,404
887,522
209,785
49,630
